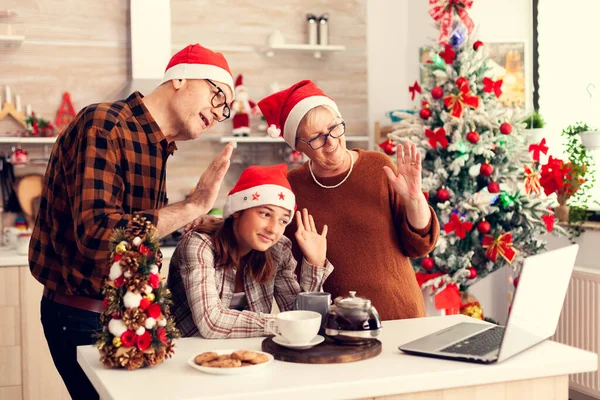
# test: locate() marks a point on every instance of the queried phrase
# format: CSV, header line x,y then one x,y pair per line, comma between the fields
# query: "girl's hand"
x,y
312,244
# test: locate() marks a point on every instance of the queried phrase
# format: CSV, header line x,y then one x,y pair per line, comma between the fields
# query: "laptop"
x,y
533,316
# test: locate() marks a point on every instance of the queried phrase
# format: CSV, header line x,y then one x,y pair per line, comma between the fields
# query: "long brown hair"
x,y
259,264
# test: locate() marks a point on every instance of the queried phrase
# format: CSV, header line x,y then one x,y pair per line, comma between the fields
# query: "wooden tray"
x,y
328,352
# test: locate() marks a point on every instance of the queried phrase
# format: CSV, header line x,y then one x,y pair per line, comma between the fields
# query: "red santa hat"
x,y
284,110
259,186
239,81
197,62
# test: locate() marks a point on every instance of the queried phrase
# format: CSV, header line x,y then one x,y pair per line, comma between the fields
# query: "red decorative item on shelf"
x,y
442,195
414,89
437,92
477,45
484,227
473,137
486,169
493,187
549,221
427,263
19,157
506,128
66,112
425,113
388,147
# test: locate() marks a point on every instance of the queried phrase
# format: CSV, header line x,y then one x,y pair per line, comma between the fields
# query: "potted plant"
x,y
591,139
534,125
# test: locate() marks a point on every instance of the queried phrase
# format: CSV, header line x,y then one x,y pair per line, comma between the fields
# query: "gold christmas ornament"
x,y
151,297
121,248
116,342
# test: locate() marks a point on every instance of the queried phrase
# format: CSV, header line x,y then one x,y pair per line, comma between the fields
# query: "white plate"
x,y
230,371
282,342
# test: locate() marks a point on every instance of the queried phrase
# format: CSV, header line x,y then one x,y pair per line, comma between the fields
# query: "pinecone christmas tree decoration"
x,y
138,328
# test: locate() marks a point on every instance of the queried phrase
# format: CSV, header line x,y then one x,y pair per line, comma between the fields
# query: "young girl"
x,y
224,283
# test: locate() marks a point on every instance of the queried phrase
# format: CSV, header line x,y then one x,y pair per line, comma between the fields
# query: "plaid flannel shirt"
x,y
107,165
202,293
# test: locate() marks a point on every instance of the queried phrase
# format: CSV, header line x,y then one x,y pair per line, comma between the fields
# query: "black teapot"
x,y
352,320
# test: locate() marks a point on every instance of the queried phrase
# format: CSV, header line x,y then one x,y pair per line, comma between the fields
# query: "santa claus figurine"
x,y
241,108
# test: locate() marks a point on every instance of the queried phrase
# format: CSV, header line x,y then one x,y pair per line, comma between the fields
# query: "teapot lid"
x,y
352,301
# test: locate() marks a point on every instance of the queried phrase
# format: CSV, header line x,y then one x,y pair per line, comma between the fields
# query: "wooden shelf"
x,y
317,50
27,140
11,42
267,139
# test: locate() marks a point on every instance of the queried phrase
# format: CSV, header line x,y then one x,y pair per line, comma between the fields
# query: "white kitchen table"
x,y
538,373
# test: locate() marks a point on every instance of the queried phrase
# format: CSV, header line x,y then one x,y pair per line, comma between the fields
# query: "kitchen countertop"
x,y
392,372
10,258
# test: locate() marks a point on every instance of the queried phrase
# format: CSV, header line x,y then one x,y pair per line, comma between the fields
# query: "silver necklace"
x,y
333,186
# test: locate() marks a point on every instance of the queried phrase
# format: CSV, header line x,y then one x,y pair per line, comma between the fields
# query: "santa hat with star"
x,y
197,62
259,186
284,110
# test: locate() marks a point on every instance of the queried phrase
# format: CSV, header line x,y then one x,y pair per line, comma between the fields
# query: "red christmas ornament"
x,y
153,281
486,169
484,227
477,45
153,311
388,147
116,315
437,92
448,54
472,273
119,281
427,263
128,338
161,335
461,81
505,128
425,113
144,250
105,302
442,194
493,187
473,137
117,257
144,341
145,303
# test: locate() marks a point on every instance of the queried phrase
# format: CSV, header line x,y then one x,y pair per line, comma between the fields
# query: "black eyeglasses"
x,y
219,100
335,132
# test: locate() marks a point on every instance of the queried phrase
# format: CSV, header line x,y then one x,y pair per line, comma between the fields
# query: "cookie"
x,y
225,363
244,355
259,359
205,357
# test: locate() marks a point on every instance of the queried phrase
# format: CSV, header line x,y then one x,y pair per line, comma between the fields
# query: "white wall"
x,y
395,31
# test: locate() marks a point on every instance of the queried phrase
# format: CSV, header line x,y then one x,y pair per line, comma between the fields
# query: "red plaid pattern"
x,y
107,165
202,293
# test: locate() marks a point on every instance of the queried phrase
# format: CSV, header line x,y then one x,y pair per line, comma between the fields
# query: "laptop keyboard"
x,y
478,345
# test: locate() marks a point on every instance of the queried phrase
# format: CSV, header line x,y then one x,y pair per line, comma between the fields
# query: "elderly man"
x,y
108,165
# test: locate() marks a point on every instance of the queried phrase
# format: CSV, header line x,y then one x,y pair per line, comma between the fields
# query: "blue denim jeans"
x,y
66,328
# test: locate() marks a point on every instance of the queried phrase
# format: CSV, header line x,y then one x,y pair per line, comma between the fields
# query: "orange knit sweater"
x,y
369,239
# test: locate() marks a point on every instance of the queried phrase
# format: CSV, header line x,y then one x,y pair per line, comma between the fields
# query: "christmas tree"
x,y
479,174
137,326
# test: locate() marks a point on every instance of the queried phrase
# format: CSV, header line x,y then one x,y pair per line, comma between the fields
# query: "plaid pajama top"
x,y
107,165
202,292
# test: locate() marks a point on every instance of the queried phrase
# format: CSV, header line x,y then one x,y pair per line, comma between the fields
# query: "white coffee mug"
x,y
299,326
23,243
11,234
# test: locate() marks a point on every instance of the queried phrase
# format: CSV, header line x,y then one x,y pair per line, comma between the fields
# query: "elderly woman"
x,y
378,215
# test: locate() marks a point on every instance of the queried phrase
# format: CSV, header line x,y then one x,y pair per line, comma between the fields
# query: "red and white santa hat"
x,y
259,186
284,110
197,62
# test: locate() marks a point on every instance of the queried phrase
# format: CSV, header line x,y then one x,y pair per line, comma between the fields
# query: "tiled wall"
x,y
83,48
